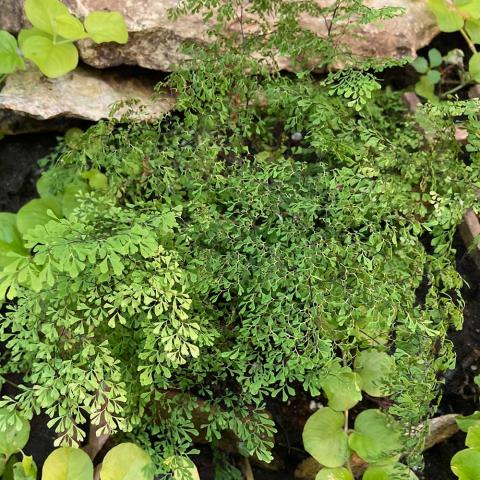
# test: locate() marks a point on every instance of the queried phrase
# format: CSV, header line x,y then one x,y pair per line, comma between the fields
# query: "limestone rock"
x,y
155,39
83,94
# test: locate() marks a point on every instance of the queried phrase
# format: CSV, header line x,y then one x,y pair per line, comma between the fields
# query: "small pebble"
x,y
296,137
473,367
313,405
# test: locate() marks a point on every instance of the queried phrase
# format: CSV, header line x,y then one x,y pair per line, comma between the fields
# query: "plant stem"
x,y
248,469
345,428
467,38
455,89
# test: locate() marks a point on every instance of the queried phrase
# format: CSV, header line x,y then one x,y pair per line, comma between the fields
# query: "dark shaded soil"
x,y
18,167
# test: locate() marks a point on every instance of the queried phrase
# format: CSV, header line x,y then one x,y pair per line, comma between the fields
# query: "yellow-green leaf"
x,y
52,60
9,57
35,213
13,437
42,14
324,438
126,461
448,17
474,67
67,463
106,27
473,29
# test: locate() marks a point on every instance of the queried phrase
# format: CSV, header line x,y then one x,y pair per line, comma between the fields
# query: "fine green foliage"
x,y
49,44
275,236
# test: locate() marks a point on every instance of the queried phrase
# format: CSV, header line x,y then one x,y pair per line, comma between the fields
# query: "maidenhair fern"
x,y
237,253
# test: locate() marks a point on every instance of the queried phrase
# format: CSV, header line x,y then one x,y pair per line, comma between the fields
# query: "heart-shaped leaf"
x,y
127,461
67,463
324,438
334,474
52,60
466,464
396,471
474,67
448,18
341,387
35,213
10,60
13,436
42,14
374,368
376,437
106,27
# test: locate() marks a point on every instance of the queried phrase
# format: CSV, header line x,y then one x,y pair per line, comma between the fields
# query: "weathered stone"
x,y
155,39
83,94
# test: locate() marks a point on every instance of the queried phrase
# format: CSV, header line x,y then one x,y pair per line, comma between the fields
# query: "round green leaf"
x,y
96,179
67,463
448,18
126,461
106,27
473,437
341,387
396,471
425,88
434,57
473,29
324,438
420,64
465,423
334,474
10,238
434,76
474,67
52,60
10,60
42,14
35,213
374,368
13,437
466,464
376,438
469,9
73,137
